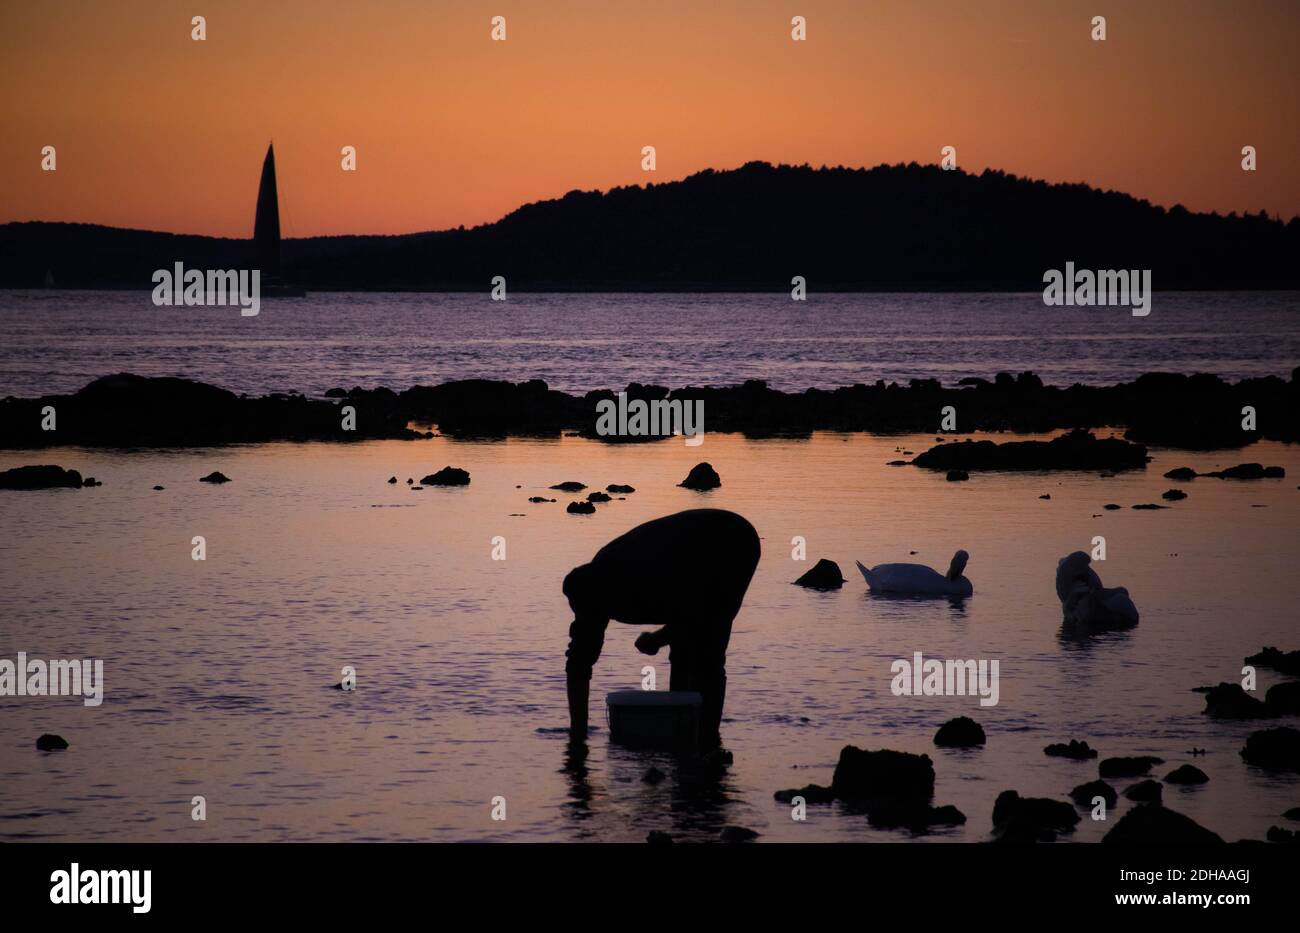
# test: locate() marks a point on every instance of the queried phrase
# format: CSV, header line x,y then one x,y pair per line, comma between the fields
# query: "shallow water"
x,y
57,341
218,673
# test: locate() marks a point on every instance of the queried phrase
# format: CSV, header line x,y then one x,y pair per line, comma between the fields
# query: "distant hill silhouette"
x,y
752,228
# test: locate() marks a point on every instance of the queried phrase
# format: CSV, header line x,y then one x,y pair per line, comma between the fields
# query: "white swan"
x,y
918,579
1085,602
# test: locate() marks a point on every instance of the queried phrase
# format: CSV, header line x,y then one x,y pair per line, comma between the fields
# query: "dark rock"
x,y
50,742
737,834
1077,450
1182,474
1147,791
1230,701
1158,826
653,776
539,499
159,488
899,463
1083,794
91,481
46,476
658,838
1111,506
580,508
1283,662
825,575
1292,814
597,497
618,488
392,479
216,476
947,815
1275,749
1284,698
1150,505
1249,471
1079,751
1278,834
911,814
962,732
1187,774
570,486
811,793
1031,819
409,481
1046,495
1128,767
447,476
957,476
701,477
866,775
1173,495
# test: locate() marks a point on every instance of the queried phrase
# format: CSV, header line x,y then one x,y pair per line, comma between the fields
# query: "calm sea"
x,y
218,673
57,341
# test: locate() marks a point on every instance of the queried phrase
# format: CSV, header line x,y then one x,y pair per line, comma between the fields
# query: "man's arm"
x,y
586,638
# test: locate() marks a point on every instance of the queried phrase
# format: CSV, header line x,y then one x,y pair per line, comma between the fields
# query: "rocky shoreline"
x,y
1199,412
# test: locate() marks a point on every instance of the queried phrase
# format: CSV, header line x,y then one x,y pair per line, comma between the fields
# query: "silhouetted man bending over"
x,y
686,572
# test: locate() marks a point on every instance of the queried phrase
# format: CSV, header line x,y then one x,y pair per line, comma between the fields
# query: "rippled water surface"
x,y
55,341
218,673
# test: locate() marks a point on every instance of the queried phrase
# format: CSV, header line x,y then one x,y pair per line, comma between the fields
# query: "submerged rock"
x,y
51,743
1150,505
1078,751
962,732
811,793
618,488
1181,474
1230,701
1112,506
1173,495
580,508
658,838
539,499
736,834
1158,826
701,477
447,476
1147,791
1292,814
1275,749
1278,834
1128,766
45,476
1284,662
392,479
825,575
597,497
1186,774
957,476
570,486
216,476
1031,819
1077,450
1084,794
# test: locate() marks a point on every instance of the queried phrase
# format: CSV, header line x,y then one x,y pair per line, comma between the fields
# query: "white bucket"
x,y
655,718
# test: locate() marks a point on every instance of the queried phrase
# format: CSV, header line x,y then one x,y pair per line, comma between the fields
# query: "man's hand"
x,y
651,642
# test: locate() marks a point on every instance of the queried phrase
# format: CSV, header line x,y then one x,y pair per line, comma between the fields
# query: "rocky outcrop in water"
x,y
1019,819
133,411
1186,774
216,476
1077,450
1128,766
1147,791
447,476
1158,826
825,575
1230,701
44,476
51,743
1284,662
1079,751
1083,794
962,732
702,477
1274,749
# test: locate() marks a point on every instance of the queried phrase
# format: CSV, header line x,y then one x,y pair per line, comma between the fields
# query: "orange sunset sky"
x,y
154,130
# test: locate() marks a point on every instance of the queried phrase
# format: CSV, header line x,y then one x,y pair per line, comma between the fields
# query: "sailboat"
x,y
266,235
